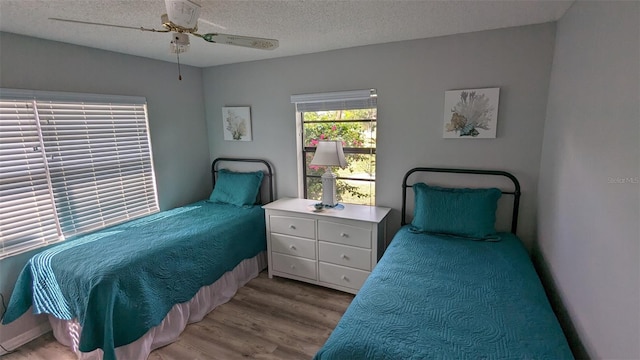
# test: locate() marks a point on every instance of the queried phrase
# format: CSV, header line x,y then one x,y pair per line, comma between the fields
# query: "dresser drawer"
x,y
294,265
344,234
344,255
343,276
293,246
293,226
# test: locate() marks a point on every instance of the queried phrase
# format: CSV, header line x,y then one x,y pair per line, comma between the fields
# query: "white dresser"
x,y
336,248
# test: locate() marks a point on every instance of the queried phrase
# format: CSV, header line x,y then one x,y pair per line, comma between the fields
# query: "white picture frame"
x,y
236,121
471,113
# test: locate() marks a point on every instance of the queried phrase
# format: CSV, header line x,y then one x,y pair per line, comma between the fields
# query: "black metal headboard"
x,y
515,192
268,174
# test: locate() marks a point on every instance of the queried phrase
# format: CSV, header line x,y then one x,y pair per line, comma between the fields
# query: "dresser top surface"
x,y
350,211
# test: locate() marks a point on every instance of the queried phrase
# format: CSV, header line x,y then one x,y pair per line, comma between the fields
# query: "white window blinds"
x,y
27,216
339,100
95,159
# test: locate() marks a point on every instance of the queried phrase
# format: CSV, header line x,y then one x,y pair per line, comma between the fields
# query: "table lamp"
x,y
329,153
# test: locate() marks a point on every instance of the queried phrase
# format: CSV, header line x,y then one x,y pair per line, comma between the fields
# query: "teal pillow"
x,y
455,211
236,188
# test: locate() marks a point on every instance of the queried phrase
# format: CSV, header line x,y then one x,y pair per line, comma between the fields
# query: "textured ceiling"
x,y
302,27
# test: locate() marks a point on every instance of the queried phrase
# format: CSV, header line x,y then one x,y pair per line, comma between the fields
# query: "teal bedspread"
x,y
434,297
122,281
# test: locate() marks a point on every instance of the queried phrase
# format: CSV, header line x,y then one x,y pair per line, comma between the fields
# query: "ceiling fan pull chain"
x,y
179,73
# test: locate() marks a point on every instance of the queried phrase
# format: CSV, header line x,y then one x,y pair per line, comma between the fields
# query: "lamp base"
x,y
329,197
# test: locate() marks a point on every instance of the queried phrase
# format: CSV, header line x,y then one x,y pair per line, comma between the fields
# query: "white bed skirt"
x,y
206,299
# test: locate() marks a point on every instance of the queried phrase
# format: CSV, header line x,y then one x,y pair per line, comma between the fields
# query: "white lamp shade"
x,y
329,153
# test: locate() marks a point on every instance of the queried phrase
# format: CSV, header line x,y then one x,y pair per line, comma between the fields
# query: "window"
x,y
69,164
348,116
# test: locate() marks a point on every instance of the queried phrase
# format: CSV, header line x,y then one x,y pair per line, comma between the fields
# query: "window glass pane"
x,y
341,125
313,169
350,191
359,166
356,191
314,188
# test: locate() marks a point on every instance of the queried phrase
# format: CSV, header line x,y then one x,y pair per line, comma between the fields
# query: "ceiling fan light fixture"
x,y
179,43
183,13
181,20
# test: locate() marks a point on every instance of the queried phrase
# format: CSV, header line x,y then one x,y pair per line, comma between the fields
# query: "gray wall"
x,y
175,110
589,191
411,78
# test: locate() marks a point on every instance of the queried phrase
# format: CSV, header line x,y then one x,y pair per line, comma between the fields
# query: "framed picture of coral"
x,y
471,113
237,123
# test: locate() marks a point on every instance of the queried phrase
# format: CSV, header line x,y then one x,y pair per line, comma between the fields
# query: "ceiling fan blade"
x,y
246,41
110,25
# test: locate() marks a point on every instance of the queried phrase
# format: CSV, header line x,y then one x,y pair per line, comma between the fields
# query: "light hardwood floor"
x,y
267,319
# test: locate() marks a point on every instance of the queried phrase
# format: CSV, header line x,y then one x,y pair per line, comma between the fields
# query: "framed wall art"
x,y
237,123
471,113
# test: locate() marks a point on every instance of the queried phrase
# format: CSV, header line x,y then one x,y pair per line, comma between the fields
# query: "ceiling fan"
x,y
181,19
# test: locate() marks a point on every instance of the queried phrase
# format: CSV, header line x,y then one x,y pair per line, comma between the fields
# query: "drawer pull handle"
x,y
293,266
292,247
292,227
344,235
345,278
343,256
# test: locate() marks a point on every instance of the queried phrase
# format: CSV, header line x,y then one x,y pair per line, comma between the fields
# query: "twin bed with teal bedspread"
x,y
436,296
121,281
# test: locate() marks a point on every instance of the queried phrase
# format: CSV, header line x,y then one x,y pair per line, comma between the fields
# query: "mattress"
x,y
122,281
438,297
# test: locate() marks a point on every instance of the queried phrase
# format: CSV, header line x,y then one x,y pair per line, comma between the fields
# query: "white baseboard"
x,y
25,337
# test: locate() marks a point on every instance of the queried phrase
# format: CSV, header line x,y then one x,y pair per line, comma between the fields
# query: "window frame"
x,y
356,99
